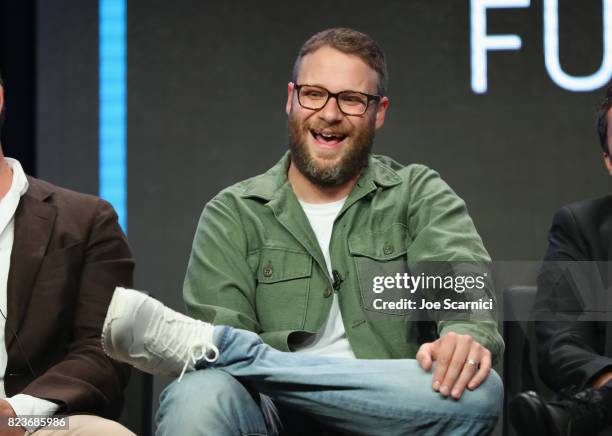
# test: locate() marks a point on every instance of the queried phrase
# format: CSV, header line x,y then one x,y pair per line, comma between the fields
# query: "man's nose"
x,y
331,111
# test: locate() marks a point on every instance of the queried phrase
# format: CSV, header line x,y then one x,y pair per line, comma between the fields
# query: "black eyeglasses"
x,y
349,102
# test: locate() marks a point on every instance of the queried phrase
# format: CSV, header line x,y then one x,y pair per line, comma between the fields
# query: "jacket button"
x,y
387,249
267,271
327,293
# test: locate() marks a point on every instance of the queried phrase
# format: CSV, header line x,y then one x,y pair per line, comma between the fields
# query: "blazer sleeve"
x,y
568,350
86,380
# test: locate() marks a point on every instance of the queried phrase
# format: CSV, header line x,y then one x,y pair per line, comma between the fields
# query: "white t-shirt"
x,y
332,341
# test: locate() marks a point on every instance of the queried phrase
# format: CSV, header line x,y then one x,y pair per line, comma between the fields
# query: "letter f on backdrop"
x,y
482,43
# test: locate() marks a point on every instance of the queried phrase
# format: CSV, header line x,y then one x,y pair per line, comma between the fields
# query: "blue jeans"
x,y
362,397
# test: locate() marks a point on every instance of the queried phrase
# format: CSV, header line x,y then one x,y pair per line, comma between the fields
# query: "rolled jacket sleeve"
x,y
443,233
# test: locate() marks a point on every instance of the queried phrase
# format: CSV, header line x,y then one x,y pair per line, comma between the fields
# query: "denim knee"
x,y
208,402
487,399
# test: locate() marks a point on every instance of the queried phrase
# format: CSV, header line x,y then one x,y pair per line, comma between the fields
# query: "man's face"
x,y
327,146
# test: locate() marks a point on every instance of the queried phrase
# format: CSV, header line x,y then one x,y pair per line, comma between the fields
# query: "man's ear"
x,y
1,99
608,162
1,110
289,103
381,112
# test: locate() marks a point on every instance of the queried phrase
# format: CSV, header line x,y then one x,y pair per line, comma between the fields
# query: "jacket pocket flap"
x,y
280,264
384,245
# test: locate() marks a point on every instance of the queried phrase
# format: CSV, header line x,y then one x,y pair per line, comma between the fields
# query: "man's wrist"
x,y
29,406
602,380
6,409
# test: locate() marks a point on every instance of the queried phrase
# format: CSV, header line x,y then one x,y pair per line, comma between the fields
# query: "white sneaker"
x,y
141,331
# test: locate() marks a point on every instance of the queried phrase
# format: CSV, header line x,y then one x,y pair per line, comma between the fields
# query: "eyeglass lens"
x,y
349,102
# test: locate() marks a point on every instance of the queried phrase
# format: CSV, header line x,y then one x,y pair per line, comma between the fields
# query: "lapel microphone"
x,y
25,357
337,280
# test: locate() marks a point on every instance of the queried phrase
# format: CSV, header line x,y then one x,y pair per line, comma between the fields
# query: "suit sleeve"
x,y
568,351
86,380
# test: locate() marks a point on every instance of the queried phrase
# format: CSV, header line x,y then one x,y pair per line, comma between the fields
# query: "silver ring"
x,y
471,362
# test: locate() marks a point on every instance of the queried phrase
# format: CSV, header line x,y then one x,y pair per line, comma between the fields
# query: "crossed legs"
x,y
230,369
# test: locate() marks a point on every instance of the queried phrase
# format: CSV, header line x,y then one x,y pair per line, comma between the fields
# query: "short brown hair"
x,y
348,41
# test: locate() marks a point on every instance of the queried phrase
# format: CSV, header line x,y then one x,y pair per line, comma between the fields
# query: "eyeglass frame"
x,y
335,95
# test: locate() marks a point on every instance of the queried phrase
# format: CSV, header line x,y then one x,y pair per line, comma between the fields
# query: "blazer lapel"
x,y
34,221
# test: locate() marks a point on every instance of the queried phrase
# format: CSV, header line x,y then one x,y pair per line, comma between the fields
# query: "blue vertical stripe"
x,y
113,107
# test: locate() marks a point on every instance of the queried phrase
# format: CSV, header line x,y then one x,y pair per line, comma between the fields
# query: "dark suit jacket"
x,y
574,352
68,255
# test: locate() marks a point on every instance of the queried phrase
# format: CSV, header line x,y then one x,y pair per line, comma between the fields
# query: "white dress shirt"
x,y
22,404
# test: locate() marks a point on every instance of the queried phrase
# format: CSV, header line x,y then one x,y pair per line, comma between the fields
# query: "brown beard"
x,y
351,163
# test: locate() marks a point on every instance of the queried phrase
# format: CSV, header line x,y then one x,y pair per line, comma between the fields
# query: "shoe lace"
x,y
197,353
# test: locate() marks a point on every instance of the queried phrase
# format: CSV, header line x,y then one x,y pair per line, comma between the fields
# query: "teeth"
x,y
328,135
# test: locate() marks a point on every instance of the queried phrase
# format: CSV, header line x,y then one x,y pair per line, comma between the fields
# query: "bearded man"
x,y
290,255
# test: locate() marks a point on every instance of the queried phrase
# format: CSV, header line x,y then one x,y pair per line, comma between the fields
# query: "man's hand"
x,y
461,362
602,380
6,411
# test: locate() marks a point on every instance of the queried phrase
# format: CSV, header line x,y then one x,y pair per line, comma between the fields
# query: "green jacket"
x,y
256,263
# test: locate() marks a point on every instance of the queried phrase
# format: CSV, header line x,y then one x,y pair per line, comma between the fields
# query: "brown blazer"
x,y
68,255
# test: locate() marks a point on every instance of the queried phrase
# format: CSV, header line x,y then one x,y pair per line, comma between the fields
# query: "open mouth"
x,y
327,137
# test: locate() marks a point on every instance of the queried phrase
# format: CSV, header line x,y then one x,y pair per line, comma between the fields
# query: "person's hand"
x,y
6,411
602,380
460,362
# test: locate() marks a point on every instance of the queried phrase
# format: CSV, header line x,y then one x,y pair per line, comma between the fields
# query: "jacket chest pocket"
x,y
382,270
60,270
283,281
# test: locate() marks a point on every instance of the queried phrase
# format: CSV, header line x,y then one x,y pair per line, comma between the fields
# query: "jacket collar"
x,y
38,191
270,184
